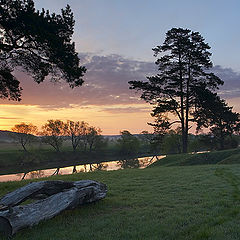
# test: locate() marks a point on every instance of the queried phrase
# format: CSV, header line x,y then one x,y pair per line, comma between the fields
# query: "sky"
x,y
114,39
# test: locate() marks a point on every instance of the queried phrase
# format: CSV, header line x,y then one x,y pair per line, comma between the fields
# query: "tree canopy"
x,y
24,133
53,133
214,112
39,43
184,68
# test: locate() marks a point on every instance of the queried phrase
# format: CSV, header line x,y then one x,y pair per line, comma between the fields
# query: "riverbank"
x,y
13,161
181,202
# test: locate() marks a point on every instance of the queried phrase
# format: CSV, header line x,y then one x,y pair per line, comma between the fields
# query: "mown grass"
x,y
231,156
180,202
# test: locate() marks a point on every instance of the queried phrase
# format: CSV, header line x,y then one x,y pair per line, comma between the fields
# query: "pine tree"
x,y
37,42
183,65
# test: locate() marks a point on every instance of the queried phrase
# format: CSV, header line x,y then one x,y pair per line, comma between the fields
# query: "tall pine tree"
x,y
183,65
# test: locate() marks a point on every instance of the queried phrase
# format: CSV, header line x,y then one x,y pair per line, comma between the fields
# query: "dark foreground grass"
x,y
231,156
187,202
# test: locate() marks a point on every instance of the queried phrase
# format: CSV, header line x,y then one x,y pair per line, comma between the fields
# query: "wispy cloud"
x,y
121,110
106,83
5,118
231,87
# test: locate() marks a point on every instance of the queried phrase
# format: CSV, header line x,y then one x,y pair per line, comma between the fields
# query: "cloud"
x,y
121,110
4,118
231,87
106,83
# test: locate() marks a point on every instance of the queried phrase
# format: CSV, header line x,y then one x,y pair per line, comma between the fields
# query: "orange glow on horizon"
x,y
110,118
99,116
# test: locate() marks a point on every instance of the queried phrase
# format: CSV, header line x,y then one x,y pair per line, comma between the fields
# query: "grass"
x,y
177,202
231,156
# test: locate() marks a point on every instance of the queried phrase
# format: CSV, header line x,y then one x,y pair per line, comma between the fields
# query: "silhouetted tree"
x,y
77,131
93,136
24,133
182,68
37,42
53,133
214,112
145,138
128,144
172,142
161,127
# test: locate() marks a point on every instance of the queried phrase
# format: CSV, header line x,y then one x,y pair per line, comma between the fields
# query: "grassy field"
x,y
176,202
231,156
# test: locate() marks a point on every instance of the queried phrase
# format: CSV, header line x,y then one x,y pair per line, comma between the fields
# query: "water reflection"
x,y
129,163
104,166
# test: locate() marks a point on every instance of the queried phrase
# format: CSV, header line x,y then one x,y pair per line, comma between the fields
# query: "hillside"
x,y
231,156
5,136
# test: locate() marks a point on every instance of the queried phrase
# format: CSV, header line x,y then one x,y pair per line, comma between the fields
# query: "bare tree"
x,y
24,133
53,133
77,131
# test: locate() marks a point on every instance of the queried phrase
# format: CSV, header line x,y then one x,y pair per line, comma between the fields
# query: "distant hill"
x,y
112,137
5,136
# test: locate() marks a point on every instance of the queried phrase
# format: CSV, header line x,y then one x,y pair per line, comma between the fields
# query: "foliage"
x,y
211,142
182,70
196,145
77,131
93,138
214,112
101,143
161,127
24,133
128,144
172,142
53,133
145,139
37,42
129,163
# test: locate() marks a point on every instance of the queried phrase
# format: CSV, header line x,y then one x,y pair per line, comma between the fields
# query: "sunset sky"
x,y
114,40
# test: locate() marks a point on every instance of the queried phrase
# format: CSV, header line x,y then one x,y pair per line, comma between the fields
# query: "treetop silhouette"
x,y
184,67
39,43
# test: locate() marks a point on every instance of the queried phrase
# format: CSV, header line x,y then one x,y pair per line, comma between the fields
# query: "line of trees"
x,y
55,132
87,139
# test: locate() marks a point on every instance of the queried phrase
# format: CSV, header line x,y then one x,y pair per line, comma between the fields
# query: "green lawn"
x,y
178,202
231,156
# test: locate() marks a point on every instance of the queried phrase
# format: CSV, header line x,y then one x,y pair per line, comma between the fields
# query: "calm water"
x,y
107,166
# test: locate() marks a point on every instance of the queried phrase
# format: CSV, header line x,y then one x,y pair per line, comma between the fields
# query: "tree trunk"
x,y
221,140
24,175
24,148
184,142
56,172
74,169
61,195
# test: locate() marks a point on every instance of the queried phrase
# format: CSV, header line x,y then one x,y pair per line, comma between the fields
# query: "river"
x,y
142,162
